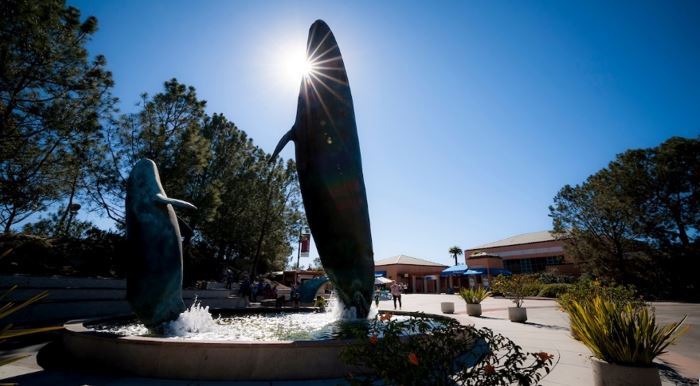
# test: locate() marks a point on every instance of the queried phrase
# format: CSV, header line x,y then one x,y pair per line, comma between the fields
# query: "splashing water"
x,y
341,312
193,320
197,323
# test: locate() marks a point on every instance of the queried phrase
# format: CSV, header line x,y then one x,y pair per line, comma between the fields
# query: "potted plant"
x,y
586,289
473,298
516,288
624,339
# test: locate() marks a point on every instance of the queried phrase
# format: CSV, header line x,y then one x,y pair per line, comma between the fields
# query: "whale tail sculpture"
x,y
154,264
329,166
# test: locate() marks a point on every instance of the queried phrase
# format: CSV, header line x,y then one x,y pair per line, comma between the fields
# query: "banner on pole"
x,y
304,244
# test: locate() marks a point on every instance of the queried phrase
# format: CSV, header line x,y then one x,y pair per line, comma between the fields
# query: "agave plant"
x,y
474,296
10,308
622,333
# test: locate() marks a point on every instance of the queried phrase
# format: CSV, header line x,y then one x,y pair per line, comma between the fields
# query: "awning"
x,y
457,270
382,280
492,271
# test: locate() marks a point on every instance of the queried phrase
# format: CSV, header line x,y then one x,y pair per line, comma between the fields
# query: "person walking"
x,y
296,295
396,293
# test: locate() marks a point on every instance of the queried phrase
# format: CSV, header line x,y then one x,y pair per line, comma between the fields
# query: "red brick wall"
x,y
398,271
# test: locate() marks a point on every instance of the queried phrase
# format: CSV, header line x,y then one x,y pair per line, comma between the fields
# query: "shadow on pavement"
x,y
673,376
486,317
547,326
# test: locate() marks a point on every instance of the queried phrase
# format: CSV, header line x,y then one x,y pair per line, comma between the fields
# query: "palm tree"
x,y
455,251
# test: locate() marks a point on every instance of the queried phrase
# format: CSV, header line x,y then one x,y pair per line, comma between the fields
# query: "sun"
x,y
298,65
287,64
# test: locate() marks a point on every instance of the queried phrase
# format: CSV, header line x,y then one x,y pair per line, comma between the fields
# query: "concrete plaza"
x,y
546,330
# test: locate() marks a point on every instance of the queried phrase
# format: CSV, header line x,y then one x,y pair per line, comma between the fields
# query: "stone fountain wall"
x,y
77,298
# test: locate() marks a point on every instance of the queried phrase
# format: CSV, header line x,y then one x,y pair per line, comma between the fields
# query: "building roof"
x,y
525,238
407,260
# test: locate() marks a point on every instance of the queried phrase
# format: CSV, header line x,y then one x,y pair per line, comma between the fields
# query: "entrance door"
x,y
419,286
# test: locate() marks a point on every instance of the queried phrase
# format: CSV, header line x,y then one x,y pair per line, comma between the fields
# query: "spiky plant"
x,y
622,333
10,308
474,296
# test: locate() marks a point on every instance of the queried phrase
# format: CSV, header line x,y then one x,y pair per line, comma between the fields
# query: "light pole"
x,y
303,237
296,270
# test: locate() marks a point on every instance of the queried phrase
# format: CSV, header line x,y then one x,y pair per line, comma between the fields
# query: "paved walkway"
x,y
546,330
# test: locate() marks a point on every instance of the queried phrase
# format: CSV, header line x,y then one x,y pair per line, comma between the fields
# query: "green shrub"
x,y
621,333
98,254
587,289
474,296
551,278
320,303
444,354
553,290
533,288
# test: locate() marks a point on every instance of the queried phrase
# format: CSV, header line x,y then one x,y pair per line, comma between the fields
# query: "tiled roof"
x,y
408,260
525,238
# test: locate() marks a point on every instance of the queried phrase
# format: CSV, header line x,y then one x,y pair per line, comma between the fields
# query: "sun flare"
x,y
298,66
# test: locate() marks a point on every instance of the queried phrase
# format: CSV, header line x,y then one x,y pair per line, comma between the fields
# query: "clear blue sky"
x,y
471,115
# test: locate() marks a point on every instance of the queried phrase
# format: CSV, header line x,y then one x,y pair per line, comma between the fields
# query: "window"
x,y
536,264
554,260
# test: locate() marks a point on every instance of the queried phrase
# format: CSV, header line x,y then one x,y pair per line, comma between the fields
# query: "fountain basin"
x,y
195,359
206,360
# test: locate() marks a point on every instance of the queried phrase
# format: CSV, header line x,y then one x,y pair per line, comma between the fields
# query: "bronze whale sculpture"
x,y
329,165
154,264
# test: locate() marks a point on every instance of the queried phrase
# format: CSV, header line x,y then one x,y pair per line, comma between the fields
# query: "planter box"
x,y
473,309
447,307
517,314
610,374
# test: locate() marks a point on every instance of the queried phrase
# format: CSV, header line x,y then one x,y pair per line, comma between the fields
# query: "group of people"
x,y
257,288
261,288
396,289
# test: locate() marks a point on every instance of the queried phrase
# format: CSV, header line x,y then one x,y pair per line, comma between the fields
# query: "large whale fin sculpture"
x,y
154,264
329,166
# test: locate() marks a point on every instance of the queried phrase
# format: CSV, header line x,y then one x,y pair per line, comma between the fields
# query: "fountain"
x,y
170,343
243,344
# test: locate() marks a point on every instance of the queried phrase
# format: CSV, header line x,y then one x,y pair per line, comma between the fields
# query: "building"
x,y
525,253
418,275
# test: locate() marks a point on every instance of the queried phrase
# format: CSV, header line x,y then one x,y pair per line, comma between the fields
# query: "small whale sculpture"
x,y
329,166
154,265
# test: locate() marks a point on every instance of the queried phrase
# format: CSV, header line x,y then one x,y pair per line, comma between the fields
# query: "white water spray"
x,y
341,312
193,320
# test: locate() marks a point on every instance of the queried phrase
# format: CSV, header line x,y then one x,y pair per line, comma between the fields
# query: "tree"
x,y
599,225
637,220
316,264
55,225
277,215
664,183
455,251
52,99
247,207
168,130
